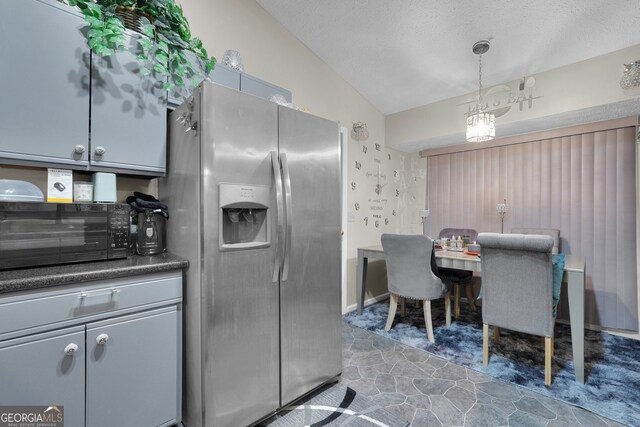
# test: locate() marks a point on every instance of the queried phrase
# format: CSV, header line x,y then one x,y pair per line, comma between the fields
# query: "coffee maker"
x,y
151,233
149,237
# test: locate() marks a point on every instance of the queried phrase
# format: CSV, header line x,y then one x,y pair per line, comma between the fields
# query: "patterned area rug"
x,y
612,363
337,405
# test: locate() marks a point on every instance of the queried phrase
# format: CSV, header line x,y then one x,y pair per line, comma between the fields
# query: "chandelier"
x,y
481,126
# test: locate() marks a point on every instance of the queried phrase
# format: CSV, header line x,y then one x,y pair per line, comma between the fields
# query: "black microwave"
x,y
33,234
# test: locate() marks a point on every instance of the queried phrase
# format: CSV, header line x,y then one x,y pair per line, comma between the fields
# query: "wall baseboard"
x,y
367,302
614,331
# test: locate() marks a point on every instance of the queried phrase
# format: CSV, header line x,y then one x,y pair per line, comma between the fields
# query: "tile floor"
x,y
429,391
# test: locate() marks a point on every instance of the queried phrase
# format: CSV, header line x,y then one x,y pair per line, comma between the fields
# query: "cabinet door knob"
x,y
100,151
102,338
78,149
70,349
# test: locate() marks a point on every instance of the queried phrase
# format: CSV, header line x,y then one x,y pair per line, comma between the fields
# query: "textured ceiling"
x,y
401,54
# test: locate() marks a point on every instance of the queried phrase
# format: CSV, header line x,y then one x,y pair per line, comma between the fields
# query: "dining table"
x,y
574,277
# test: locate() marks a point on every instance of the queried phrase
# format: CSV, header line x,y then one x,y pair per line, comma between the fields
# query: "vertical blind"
x,y
583,185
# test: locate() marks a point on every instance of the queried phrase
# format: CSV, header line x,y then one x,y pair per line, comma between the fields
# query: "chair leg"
x,y
393,305
496,334
447,308
470,297
548,352
552,346
456,300
403,307
543,343
485,344
427,320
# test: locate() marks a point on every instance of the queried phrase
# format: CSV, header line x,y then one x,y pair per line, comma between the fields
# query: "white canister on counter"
x,y
83,192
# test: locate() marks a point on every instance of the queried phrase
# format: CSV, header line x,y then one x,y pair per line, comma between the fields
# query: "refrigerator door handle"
x,y
289,220
279,215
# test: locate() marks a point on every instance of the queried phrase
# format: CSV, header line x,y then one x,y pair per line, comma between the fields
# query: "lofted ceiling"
x,y
401,54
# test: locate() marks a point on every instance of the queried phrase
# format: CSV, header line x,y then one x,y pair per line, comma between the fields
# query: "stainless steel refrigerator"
x,y
254,191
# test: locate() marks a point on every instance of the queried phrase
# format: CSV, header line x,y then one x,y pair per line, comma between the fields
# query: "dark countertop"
x,y
55,275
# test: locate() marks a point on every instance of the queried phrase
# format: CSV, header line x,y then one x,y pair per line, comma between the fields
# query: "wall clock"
x,y
377,187
371,186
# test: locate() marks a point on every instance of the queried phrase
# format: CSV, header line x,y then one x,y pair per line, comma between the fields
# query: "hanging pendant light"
x,y
481,126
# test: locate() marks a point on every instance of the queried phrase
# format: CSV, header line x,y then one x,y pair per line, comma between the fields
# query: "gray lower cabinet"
x,y
109,351
132,366
37,370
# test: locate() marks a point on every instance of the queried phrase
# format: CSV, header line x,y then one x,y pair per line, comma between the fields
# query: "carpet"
x,y
612,363
337,405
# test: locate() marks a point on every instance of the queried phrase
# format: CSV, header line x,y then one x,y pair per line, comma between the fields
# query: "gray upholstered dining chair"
x,y
518,288
554,233
459,278
410,275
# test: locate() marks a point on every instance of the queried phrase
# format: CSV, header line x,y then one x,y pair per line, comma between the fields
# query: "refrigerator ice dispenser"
x,y
244,216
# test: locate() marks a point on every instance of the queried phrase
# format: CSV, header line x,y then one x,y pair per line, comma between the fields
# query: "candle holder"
x,y
424,214
502,209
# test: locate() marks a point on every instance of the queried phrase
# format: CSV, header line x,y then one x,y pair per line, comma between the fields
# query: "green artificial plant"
x,y
167,39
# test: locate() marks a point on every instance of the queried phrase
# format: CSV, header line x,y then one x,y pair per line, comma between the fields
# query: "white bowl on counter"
x,y
12,190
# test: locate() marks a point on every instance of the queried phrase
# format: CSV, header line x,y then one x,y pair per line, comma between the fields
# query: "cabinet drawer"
x,y
86,300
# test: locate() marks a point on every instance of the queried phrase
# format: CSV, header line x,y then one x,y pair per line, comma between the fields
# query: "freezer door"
x,y
310,286
240,299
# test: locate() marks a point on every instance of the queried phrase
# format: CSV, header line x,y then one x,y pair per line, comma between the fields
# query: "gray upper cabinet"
x,y
260,88
128,115
62,106
221,74
44,82
226,76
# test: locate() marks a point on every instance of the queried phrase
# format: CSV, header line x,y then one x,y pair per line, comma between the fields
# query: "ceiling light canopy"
x,y
631,75
359,132
481,126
